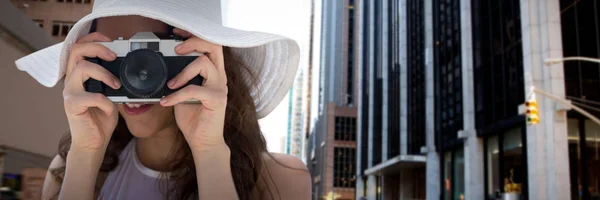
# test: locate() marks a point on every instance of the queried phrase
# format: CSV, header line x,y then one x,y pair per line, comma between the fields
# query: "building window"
x,y
454,175
493,168
584,157
61,28
505,164
416,75
345,128
39,22
448,69
344,167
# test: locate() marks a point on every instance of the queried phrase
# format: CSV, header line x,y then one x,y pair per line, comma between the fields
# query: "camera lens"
x,y
143,73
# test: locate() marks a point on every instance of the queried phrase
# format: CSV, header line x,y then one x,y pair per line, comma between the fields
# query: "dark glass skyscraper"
x,y
441,84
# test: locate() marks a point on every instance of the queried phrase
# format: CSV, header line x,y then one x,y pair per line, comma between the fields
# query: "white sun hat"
x,y
274,59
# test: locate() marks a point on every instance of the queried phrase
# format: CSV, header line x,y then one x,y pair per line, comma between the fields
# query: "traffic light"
x,y
533,117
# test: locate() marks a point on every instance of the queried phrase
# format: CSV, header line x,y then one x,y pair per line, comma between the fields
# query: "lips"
x,y
136,108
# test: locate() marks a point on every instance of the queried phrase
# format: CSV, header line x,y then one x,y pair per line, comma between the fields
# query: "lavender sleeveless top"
x,y
132,180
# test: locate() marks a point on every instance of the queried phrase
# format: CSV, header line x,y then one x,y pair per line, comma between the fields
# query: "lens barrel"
x,y
143,73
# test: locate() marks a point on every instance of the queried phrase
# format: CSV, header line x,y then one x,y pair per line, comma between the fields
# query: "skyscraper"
x,y
299,95
298,108
332,140
389,155
466,67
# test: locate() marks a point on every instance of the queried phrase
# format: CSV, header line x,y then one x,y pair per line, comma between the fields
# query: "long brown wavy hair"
x,y
242,134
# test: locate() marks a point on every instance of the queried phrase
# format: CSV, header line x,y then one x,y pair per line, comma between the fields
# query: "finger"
x,y
94,37
213,51
203,66
91,50
79,103
86,70
210,98
182,33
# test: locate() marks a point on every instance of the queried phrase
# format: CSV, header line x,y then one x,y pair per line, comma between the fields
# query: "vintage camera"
x,y
144,64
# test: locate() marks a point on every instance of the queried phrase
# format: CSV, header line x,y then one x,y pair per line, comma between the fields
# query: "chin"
x,y
149,122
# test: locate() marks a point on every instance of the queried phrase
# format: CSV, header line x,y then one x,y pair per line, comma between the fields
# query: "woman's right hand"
x,y
92,117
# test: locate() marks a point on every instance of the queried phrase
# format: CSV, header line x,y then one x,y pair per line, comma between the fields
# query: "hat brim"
x,y
274,59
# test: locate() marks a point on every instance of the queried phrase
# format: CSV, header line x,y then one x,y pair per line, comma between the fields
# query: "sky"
x,y
289,18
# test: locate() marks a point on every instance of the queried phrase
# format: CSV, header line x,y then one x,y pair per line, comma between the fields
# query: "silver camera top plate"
x,y
145,40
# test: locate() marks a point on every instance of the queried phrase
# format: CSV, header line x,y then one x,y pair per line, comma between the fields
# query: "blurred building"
x,y
55,16
298,108
299,94
465,68
331,152
390,133
33,116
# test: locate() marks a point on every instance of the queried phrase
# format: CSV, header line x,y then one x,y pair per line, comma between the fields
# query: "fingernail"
x,y
106,38
114,54
111,55
163,101
117,83
178,47
171,83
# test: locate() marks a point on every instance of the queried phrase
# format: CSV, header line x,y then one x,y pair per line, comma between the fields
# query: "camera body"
x,y
144,64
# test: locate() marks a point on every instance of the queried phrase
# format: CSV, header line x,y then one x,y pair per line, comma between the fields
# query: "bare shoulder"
x,y
287,176
276,160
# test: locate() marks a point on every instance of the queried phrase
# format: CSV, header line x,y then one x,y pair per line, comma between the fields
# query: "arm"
x,y
213,173
82,168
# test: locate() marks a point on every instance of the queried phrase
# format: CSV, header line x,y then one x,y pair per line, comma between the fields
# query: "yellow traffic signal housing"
x,y
532,115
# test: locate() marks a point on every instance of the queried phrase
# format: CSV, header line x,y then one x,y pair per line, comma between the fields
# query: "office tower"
x,y
466,68
331,142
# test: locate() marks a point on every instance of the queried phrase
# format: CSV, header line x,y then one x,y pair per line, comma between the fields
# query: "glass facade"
x,y
581,37
350,64
393,66
498,62
453,175
364,116
416,75
584,158
580,22
505,169
345,129
492,170
344,167
378,86
448,70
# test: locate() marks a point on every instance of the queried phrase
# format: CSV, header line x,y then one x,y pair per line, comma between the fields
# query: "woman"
x,y
170,150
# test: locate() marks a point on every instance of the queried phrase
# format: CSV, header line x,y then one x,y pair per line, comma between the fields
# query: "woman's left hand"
x,y
202,124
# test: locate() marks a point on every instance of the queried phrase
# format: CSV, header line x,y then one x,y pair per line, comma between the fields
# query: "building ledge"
x,y
395,165
17,27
